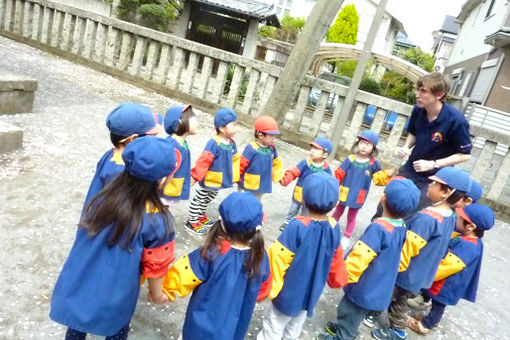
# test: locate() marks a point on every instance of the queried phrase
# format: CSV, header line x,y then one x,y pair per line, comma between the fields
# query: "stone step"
x,y
11,137
16,92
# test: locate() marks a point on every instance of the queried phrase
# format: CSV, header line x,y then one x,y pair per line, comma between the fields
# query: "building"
x,y
479,64
402,44
444,39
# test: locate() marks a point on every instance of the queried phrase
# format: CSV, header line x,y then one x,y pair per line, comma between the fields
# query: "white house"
x,y
444,40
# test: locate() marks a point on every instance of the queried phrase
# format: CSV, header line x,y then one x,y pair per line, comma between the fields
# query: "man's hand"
x,y
404,152
423,165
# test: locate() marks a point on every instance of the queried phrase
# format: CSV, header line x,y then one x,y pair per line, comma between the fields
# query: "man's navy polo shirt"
x,y
447,135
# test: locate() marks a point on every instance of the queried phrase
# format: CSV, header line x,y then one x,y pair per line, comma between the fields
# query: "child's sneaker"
x,y
369,320
418,302
196,228
345,242
205,221
417,327
330,327
389,334
283,226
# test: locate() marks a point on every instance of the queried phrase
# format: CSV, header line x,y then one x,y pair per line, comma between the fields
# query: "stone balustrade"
x,y
210,78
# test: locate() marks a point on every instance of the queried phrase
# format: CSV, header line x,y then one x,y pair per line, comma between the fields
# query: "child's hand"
x,y
193,181
282,183
392,172
159,298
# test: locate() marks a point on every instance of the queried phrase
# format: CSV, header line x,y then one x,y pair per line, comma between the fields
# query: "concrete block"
x,y
16,93
11,137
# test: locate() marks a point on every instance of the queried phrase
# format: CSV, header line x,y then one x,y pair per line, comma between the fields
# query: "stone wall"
x,y
199,75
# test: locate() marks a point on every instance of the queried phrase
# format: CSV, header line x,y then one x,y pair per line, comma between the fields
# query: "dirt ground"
x,y
43,186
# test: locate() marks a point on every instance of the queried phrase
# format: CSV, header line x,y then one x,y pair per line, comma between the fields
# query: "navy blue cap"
x,y
241,211
478,214
453,177
172,117
321,191
132,118
224,116
370,136
149,158
475,192
402,195
323,144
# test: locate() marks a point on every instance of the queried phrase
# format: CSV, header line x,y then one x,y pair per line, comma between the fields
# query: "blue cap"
x,y
320,191
172,117
224,116
132,118
323,144
149,158
402,195
475,192
478,214
453,177
241,211
370,136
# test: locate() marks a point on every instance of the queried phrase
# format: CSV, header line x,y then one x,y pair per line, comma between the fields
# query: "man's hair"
x,y
436,82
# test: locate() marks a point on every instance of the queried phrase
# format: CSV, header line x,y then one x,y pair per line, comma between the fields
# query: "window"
x,y
279,10
289,3
286,11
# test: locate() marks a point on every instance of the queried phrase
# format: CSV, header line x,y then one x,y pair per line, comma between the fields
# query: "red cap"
x,y
266,124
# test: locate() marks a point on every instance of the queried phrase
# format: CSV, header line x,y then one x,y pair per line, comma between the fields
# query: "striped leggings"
x,y
199,203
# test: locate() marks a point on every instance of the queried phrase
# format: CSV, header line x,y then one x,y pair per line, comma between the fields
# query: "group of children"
x,y
126,234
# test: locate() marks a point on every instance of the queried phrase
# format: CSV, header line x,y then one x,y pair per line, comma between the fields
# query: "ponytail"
x,y
254,259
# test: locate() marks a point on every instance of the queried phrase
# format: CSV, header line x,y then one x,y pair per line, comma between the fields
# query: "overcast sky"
x,y
421,17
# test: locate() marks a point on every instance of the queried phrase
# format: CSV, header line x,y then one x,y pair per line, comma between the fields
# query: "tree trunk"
x,y
300,59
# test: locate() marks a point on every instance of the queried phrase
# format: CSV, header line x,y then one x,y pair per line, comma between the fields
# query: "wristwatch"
x,y
436,165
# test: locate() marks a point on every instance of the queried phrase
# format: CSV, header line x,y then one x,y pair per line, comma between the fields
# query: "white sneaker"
x,y
345,242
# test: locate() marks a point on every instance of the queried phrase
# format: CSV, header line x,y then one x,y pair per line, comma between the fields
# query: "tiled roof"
x,y
449,25
253,8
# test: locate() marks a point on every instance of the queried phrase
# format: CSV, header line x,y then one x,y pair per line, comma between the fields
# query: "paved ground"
x,y
43,186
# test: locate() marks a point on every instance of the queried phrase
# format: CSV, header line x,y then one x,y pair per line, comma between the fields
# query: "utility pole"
x,y
358,75
301,57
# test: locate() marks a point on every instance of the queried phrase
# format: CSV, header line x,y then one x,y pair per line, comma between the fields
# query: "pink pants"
x,y
351,218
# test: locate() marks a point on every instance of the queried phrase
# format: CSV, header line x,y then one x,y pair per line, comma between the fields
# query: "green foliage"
x,y
289,32
345,28
346,67
153,16
151,13
370,85
395,85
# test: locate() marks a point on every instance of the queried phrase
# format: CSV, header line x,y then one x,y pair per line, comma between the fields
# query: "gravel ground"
x,y
43,186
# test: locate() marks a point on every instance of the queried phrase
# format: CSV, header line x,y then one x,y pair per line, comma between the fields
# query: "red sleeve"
x,y
155,261
178,161
202,165
338,273
265,288
244,164
291,175
339,175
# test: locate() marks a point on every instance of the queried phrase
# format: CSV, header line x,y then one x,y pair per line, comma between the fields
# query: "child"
x,y
225,274
305,256
126,122
260,163
316,162
458,273
125,231
355,176
372,264
428,234
180,122
216,168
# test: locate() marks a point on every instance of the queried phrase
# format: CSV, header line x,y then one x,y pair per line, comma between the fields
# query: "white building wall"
x,y
476,27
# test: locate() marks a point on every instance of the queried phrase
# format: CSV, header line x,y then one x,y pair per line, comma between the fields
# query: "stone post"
x,y
250,44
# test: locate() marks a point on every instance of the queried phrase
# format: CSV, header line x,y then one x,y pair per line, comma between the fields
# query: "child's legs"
x,y
351,221
294,208
397,312
294,326
348,318
121,335
339,211
73,334
274,324
435,315
199,203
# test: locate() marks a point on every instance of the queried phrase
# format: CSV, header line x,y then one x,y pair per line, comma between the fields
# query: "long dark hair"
x,y
183,125
253,237
123,202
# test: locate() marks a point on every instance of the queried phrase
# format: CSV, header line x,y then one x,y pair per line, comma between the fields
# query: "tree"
x,y
289,32
345,28
395,85
150,13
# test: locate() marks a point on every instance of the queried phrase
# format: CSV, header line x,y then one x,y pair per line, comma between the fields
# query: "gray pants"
x,y
295,209
348,319
398,310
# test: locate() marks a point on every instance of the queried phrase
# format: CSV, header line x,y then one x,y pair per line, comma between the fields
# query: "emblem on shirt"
x,y
367,173
437,137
